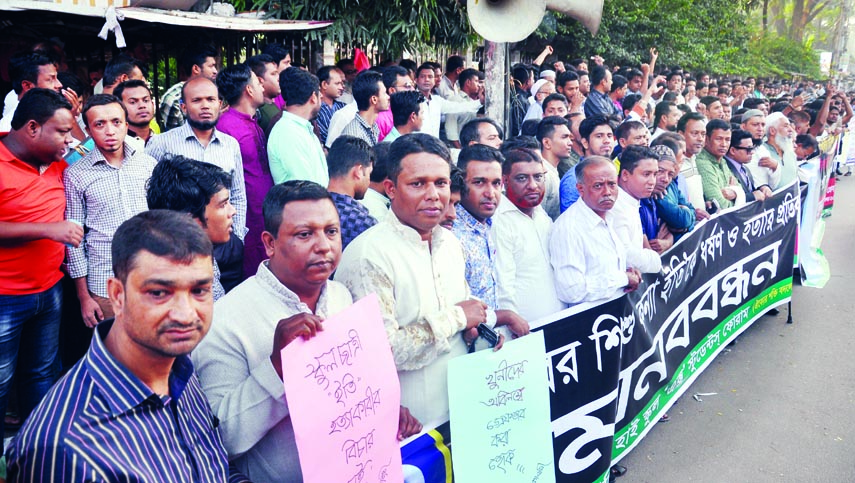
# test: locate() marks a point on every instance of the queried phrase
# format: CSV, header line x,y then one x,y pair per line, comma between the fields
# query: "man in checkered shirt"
x,y
103,190
350,162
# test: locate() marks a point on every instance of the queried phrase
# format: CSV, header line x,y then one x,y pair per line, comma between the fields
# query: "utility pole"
x,y
497,82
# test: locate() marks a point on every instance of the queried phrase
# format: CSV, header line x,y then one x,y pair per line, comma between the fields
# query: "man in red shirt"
x,y
33,235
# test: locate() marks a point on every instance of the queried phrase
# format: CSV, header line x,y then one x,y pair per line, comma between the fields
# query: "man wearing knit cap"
x,y
539,91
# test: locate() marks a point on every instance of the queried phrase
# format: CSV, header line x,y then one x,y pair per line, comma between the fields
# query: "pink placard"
x,y
344,398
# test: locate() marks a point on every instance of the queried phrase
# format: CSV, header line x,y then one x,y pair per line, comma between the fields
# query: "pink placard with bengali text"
x,y
344,398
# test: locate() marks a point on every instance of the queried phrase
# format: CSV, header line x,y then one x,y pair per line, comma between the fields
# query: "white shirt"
x,y
447,88
339,120
628,229
763,175
377,204
588,260
455,122
234,368
694,182
436,106
534,112
552,197
525,281
418,285
10,103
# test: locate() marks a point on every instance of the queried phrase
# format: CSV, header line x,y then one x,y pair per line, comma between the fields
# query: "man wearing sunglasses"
x,y
738,156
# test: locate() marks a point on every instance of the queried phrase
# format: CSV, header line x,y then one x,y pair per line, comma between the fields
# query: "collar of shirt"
x,y
242,116
624,197
122,390
187,133
268,280
590,218
507,206
298,120
96,156
410,234
362,122
466,220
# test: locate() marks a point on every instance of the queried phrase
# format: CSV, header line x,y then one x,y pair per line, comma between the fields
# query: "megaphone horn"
x,y
589,12
514,20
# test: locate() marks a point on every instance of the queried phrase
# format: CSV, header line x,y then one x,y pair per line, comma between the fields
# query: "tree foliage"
x,y
703,34
721,36
391,26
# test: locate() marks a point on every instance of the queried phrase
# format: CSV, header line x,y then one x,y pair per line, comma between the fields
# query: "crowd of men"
x,y
285,195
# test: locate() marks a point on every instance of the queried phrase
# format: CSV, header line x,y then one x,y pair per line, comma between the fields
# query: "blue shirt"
x,y
101,423
649,218
354,216
567,191
480,252
325,116
676,211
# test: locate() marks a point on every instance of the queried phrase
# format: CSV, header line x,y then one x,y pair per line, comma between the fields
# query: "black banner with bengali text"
x,y
614,369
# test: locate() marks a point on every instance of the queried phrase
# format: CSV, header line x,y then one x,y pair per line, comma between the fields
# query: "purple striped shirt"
x,y
101,423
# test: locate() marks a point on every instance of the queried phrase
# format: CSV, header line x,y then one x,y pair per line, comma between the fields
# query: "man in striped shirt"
x,y
132,408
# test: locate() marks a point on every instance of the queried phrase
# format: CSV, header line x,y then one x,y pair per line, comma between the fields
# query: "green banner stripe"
x,y
696,361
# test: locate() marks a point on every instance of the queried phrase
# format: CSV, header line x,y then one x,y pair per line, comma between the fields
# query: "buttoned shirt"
x,y
649,218
480,252
102,423
762,175
295,152
101,197
455,122
786,173
234,368
568,193
526,284
222,151
257,178
419,284
359,128
436,106
627,226
715,175
552,198
339,120
170,107
325,116
599,104
30,195
448,88
392,136
355,218
676,211
588,260
377,204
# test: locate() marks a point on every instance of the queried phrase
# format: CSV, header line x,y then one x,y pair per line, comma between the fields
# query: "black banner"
x,y
614,369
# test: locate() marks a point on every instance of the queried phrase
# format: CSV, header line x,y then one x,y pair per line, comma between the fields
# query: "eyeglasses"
x,y
747,149
408,86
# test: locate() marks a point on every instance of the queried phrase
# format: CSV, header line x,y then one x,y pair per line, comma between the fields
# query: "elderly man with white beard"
x,y
779,144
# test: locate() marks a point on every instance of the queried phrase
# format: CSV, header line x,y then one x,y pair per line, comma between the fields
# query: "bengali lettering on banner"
x,y
614,369
499,409
344,398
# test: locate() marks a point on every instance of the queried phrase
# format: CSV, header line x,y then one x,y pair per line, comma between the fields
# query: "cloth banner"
x,y
818,174
614,369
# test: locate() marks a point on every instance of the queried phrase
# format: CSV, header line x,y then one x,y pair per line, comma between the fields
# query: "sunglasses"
x,y
749,148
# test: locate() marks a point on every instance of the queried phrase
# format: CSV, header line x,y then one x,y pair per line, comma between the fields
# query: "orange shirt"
x,y
29,197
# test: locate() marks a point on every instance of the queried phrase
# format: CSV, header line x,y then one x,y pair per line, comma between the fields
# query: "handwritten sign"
x,y
499,406
344,397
